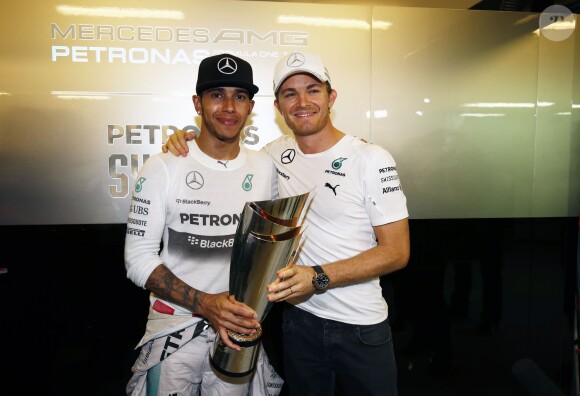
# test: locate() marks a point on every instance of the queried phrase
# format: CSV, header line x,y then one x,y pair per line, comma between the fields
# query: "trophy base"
x,y
234,363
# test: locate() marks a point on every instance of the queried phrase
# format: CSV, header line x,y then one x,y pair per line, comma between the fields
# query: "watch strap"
x,y
318,269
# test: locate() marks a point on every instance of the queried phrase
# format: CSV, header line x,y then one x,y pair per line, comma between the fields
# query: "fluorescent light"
x,y
324,22
377,114
117,12
482,115
381,25
380,113
507,105
83,97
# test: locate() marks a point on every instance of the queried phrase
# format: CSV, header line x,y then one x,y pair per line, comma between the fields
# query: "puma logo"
x,y
332,188
225,164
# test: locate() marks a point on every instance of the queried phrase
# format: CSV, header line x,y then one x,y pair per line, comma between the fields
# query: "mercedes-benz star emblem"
x,y
296,59
227,65
288,156
194,180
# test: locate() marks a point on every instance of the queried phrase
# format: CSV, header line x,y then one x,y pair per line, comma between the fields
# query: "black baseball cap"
x,y
225,70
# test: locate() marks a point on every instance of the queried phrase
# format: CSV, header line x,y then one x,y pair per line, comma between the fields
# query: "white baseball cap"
x,y
299,62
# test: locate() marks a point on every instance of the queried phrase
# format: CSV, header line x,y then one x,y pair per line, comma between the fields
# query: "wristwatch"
x,y
320,281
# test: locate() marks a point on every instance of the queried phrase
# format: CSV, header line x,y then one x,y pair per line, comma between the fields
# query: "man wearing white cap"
x,y
336,334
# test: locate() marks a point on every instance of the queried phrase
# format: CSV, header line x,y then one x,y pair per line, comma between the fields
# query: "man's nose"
x,y
229,103
302,99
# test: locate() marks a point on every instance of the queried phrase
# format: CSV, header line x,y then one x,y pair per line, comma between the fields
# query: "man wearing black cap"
x,y
182,221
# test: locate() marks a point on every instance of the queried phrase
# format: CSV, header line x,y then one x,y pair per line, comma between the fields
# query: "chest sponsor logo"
x,y
211,242
209,220
186,201
335,173
331,187
247,183
337,163
288,156
194,180
213,248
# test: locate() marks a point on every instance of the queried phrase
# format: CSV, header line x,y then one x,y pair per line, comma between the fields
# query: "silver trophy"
x,y
266,240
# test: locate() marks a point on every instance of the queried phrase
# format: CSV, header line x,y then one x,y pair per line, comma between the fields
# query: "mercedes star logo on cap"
x,y
295,60
194,180
227,66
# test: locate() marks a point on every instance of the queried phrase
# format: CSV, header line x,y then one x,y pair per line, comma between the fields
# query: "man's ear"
x,y
332,97
196,103
277,106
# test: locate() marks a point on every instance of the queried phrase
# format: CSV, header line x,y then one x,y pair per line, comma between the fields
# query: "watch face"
x,y
321,281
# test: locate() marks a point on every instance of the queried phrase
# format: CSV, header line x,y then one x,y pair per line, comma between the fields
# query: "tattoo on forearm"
x,y
198,297
168,286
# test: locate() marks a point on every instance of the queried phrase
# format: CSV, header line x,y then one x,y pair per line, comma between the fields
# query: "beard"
x,y
307,128
210,127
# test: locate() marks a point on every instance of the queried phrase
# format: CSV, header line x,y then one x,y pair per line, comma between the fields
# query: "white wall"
x,y
80,113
